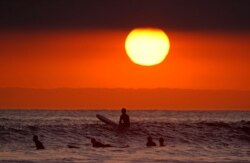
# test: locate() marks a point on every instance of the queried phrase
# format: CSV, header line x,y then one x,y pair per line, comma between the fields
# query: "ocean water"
x,y
191,136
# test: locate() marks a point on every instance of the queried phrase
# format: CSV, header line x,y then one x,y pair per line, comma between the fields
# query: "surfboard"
x,y
106,120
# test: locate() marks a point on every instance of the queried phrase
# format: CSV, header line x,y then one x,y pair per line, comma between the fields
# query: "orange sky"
x,y
97,58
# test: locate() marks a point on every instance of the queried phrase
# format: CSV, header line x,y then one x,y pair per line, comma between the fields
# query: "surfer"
x,y
97,144
39,145
150,142
124,119
161,141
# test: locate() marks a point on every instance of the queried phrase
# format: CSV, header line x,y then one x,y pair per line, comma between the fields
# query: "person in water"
x,y
97,144
150,142
39,145
161,141
124,119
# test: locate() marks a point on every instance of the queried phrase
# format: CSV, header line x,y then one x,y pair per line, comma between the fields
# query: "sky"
x,y
47,44
78,44
97,59
174,14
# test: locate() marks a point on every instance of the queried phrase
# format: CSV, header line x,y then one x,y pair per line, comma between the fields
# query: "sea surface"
x,y
190,136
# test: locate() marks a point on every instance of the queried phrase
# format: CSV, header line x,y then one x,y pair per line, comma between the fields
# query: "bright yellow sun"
x,y
147,46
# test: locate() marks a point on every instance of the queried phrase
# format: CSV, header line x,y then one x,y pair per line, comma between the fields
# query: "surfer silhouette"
x,y
161,141
97,144
124,119
39,145
150,142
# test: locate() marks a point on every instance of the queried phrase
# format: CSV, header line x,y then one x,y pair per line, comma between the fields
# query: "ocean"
x,y
190,136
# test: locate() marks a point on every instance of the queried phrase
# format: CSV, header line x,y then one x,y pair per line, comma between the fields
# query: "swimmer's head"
x,y
93,140
149,138
161,140
35,138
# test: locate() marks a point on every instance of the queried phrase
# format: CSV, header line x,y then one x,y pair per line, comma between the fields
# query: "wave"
x,y
219,133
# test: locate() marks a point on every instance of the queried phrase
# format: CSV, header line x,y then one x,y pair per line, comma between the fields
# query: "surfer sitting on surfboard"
x,y
124,119
98,144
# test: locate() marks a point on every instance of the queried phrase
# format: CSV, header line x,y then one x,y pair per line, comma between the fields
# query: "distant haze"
x,y
170,99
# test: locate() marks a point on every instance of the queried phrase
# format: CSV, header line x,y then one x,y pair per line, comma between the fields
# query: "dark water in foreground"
x,y
189,136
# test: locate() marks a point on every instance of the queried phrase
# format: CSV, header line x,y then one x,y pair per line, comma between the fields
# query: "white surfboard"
x,y
106,120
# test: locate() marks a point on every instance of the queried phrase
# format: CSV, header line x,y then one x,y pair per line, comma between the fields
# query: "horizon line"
x,y
122,88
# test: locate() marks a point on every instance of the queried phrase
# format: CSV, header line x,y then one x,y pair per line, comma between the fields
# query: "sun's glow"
x,y
147,46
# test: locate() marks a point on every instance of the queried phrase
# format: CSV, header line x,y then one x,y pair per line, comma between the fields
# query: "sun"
x,y
147,46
